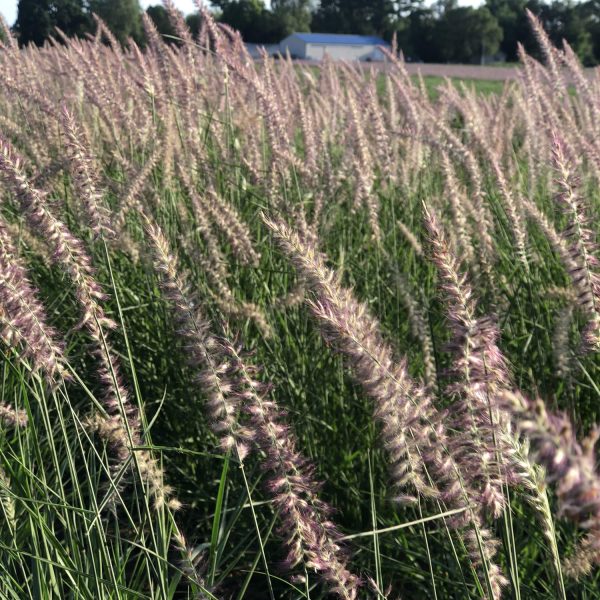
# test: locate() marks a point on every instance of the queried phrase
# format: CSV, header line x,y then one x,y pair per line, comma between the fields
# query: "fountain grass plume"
x,y
120,427
311,537
85,178
413,431
67,250
23,321
400,405
204,350
231,386
583,263
570,466
478,372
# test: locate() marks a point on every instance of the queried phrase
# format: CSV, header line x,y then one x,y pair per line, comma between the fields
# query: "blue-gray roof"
x,y
335,39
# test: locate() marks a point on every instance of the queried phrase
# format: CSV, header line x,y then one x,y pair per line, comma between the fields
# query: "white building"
x,y
314,46
255,50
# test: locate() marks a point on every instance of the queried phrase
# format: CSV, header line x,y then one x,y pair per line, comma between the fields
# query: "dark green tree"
x,y
578,23
591,13
343,16
252,19
512,19
291,15
466,35
441,7
37,19
416,35
578,30
572,22
380,17
384,15
193,21
160,18
123,17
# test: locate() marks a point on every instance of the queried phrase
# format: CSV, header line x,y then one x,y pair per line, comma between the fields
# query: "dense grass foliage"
x,y
277,332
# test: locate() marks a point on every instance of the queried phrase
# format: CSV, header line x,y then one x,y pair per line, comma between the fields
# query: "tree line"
x,y
442,32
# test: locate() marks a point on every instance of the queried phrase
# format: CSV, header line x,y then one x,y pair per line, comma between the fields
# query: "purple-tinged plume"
x,y
583,264
413,431
311,537
204,350
231,386
83,171
23,321
570,466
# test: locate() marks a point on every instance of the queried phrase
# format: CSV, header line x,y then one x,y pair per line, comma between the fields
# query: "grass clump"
x,y
271,331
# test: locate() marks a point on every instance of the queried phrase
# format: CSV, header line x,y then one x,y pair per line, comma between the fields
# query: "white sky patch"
x,y
8,9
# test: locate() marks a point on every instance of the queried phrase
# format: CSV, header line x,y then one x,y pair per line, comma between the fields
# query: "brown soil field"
x,y
464,71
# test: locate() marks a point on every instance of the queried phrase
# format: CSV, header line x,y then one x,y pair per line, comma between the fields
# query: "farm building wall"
x,y
378,55
339,52
255,49
315,47
295,46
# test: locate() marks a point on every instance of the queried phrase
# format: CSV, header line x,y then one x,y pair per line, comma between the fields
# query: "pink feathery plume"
x,y
569,465
582,263
232,387
310,535
85,179
23,321
413,431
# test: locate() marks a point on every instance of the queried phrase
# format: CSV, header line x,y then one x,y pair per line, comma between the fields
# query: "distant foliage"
x,y
160,18
121,16
440,32
37,20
